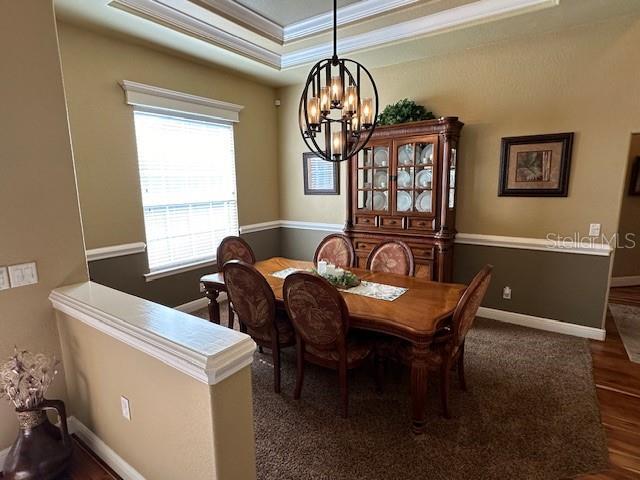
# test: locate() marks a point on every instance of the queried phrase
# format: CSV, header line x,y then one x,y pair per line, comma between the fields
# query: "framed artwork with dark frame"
x,y
535,165
634,186
320,176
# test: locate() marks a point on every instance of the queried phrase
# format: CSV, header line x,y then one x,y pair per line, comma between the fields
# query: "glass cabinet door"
x,y
373,179
452,178
415,179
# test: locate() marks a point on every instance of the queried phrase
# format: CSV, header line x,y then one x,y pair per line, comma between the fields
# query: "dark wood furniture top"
x,y
403,185
416,315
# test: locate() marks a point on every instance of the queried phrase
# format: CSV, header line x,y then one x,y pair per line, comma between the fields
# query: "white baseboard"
x,y
542,323
102,450
199,304
625,281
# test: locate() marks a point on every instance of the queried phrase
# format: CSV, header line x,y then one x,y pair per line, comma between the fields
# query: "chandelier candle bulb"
x,y
325,100
367,112
336,91
351,103
313,111
336,141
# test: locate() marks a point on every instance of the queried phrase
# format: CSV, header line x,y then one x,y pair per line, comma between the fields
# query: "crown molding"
x,y
170,14
245,17
348,14
472,13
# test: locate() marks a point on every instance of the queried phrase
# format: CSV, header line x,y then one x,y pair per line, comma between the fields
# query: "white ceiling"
x,y
378,32
285,12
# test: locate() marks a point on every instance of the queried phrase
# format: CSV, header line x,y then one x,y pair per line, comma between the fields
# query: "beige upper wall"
x,y
39,218
583,80
103,133
627,259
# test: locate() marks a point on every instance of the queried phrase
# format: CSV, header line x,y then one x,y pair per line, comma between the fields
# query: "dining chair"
x,y
391,256
447,347
320,319
337,249
255,304
233,248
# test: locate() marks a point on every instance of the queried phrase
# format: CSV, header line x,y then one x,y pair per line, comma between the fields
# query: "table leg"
x,y
214,307
419,378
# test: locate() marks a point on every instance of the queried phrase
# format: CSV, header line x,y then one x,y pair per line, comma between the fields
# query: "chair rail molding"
x,y
204,351
115,251
541,323
545,245
324,227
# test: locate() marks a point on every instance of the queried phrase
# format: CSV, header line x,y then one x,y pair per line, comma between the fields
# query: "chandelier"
x,y
339,105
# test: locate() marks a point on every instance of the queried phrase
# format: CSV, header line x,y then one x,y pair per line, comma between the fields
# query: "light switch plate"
x,y
126,411
4,278
23,274
594,230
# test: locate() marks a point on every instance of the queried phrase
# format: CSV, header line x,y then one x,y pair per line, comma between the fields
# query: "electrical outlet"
x,y
23,274
201,288
126,411
506,293
594,230
4,278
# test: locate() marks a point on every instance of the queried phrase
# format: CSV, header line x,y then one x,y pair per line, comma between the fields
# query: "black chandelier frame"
x,y
353,140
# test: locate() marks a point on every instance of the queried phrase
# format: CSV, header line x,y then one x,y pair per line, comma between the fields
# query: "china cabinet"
x,y
402,185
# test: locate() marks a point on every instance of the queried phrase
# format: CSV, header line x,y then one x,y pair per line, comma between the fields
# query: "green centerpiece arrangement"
x,y
337,276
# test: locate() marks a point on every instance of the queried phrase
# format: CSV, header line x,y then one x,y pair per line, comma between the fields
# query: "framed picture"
x,y
634,187
320,177
535,165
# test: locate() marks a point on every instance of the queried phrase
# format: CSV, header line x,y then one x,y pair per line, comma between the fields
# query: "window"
x,y
187,176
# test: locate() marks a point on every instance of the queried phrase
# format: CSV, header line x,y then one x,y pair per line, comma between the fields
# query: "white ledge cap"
x,y
205,351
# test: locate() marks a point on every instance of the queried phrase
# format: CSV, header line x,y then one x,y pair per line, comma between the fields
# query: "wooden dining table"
x,y
415,316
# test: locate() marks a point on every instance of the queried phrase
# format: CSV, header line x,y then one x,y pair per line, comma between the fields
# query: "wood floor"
x,y
618,386
85,465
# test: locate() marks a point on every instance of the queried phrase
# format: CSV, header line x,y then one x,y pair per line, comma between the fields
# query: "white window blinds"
x,y
187,175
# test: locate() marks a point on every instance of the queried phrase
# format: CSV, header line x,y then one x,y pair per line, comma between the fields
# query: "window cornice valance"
x,y
139,94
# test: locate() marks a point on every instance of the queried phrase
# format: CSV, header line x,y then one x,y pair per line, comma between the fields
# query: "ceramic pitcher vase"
x,y
42,451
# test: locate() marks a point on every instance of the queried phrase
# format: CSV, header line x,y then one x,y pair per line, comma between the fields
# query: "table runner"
x,y
379,291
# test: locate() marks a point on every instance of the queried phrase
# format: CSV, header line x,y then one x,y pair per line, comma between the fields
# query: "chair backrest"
x,y
467,308
391,256
234,248
317,311
252,298
337,249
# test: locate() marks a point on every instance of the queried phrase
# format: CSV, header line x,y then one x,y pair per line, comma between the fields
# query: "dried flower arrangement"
x,y
25,378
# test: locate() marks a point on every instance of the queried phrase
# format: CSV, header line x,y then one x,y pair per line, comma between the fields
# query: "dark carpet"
x,y
530,413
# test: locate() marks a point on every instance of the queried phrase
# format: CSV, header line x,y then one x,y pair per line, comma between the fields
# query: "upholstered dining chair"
x,y
447,348
337,249
233,248
391,256
255,304
320,319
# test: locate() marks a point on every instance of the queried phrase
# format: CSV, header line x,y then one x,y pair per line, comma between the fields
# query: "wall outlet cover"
x,y
506,293
4,278
23,274
594,230
126,411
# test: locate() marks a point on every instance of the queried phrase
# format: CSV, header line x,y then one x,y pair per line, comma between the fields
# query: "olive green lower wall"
x,y
127,273
567,287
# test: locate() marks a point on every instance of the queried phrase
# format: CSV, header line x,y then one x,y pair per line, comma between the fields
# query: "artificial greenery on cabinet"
x,y
404,111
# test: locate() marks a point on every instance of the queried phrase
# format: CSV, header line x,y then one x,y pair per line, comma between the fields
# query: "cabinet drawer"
x,y
366,220
421,223
392,222
363,246
424,271
422,252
